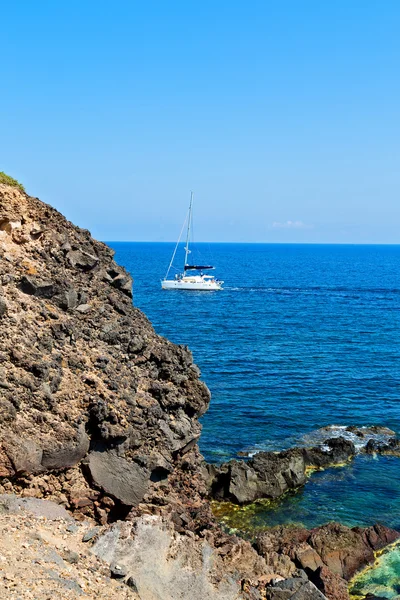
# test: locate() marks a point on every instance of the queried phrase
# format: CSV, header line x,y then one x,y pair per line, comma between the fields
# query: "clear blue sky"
x,y
283,116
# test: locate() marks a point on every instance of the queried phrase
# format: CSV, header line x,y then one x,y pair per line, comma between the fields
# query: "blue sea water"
x,y
302,336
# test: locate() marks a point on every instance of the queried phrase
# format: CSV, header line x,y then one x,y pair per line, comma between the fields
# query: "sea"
x,y
301,337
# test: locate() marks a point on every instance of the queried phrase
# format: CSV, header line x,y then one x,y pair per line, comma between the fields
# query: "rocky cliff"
x,y
85,382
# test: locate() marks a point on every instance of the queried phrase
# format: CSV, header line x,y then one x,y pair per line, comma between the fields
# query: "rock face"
x,y
151,555
84,379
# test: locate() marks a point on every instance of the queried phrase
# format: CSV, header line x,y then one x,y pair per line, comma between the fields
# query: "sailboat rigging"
x,y
192,277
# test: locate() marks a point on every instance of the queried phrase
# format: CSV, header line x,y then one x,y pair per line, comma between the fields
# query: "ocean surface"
x,y
301,337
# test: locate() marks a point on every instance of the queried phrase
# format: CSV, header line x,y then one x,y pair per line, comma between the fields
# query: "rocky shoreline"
x,y
99,415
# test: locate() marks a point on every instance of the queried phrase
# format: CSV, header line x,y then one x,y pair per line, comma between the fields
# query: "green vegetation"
x,y
10,181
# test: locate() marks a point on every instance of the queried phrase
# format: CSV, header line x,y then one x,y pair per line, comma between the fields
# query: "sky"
x,y
282,116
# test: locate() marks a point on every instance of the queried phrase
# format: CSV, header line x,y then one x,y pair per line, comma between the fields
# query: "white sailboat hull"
x,y
187,280
192,283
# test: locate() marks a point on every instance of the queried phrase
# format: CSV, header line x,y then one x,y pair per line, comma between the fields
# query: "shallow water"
x,y
302,336
383,580
365,491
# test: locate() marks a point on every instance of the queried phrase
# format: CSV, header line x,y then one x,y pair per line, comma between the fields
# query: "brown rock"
x,y
331,584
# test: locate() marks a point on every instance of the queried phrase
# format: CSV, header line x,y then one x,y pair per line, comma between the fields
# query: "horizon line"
x,y
257,243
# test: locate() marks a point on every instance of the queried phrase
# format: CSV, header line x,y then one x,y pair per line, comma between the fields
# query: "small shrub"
x,y
11,181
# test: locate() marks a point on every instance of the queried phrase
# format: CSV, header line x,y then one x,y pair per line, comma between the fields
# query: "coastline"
x,y
101,415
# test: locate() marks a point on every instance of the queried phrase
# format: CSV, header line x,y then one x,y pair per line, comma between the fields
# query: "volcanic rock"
x,y
82,368
271,474
267,475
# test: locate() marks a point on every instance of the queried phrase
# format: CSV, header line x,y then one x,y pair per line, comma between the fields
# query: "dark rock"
x,y
389,446
136,344
91,534
82,260
124,480
340,451
270,475
67,299
124,283
62,457
3,307
131,582
118,571
34,286
267,475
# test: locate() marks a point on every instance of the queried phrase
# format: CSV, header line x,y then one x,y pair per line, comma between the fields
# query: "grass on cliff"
x,y
4,178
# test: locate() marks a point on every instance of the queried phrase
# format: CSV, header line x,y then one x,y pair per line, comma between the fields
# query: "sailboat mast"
x,y
188,229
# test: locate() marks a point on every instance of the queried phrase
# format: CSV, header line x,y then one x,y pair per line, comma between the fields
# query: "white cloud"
x,y
291,225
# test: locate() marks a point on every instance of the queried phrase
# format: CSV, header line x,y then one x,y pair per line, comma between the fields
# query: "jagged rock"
x,y
334,451
62,356
294,589
124,283
34,286
330,555
270,475
82,260
267,475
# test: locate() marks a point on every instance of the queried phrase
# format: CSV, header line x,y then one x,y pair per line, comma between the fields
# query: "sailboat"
x,y
192,277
